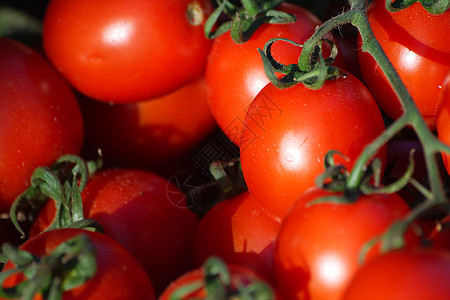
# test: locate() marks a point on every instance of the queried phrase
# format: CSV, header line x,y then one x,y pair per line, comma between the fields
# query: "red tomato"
x,y
235,72
239,276
122,52
144,213
119,275
150,133
419,273
416,43
318,246
238,231
287,133
40,119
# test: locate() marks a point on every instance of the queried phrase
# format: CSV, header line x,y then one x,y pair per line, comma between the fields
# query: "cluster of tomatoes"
x,y
140,81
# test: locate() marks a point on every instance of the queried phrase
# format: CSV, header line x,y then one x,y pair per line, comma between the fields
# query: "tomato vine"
x,y
308,68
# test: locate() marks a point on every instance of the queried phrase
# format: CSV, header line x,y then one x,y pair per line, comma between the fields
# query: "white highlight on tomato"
x,y
291,153
118,32
331,269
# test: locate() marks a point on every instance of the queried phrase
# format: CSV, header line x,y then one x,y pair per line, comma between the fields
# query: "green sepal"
x,y
70,265
435,7
185,290
256,291
62,182
367,188
216,277
314,76
245,19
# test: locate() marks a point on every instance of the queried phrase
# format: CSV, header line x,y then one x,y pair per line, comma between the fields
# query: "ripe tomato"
x,y
238,231
40,119
416,43
150,133
287,133
235,72
318,246
122,52
119,275
418,273
143,212
240,277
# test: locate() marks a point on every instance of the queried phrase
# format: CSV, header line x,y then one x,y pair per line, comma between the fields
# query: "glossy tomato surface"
x,y
150,133
124,52
238,231
287,133
143,212
318,246
40,119
235,72
416,43
418,273
119,275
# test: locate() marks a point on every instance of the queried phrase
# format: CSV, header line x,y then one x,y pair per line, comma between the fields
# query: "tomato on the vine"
x,y
235,72
417,273
318,247
145,213
40,119
118,274
416,43
287,133
238,231
149,133
121,52
232,278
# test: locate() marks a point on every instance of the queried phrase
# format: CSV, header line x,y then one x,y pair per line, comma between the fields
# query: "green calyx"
x,y
219,285
63,183
335,178
242,21
70,265
313,75
435,7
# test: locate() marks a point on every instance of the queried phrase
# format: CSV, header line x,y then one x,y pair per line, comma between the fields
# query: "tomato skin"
x,y
40,119
287,133
117,52
235,72
119,275
134,208
150,133
419,273
416,43
239,274
238,231
318,246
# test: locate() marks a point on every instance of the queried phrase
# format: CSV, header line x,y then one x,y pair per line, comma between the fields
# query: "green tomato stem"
x,y
357,16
